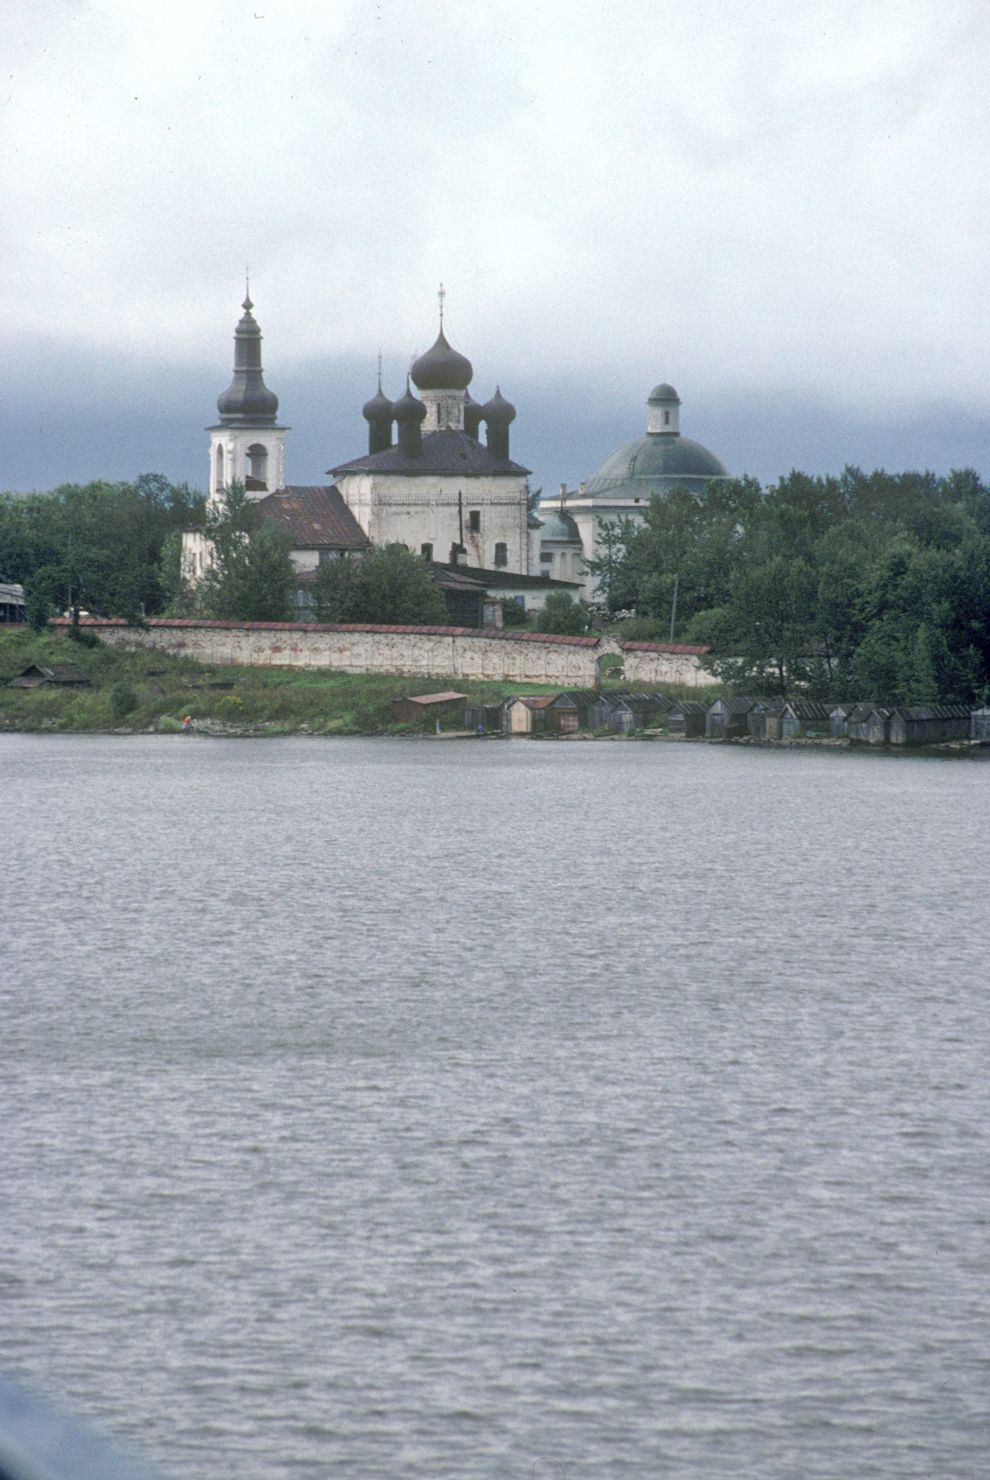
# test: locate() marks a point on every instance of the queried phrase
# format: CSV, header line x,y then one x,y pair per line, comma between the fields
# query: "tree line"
x,y
872,586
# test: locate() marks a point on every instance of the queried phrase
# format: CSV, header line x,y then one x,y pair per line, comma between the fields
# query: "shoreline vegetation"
x,y
141,693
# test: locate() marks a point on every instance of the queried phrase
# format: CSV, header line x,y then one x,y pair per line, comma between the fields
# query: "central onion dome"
x,y
657,462
442,368
247,401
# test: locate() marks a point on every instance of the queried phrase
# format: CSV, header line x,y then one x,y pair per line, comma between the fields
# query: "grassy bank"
x,y
149,691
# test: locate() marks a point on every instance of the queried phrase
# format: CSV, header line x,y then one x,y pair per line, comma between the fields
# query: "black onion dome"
x,y
664,392
379,408
407,408
442,368
498,410
247,400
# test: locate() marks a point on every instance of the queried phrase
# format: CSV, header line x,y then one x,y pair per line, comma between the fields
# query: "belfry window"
x,y
219,478
257,475
501,554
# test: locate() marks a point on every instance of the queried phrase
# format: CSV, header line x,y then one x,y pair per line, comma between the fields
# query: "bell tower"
x,y
247,445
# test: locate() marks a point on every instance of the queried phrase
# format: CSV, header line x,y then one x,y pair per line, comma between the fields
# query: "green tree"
x,y
251,577
388,584
562,614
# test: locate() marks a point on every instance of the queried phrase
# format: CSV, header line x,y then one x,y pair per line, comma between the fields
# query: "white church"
x,y
428,481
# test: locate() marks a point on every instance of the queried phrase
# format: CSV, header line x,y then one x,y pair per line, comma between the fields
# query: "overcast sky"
x,y
779,207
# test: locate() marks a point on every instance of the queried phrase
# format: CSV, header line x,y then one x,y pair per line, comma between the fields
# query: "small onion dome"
x,y
407,410
473,413
379,408
663,392
498,411
442,368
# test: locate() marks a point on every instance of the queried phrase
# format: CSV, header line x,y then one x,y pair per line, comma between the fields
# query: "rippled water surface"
x,y
409,1109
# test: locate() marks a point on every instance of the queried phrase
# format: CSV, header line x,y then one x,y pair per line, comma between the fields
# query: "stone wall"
x,y
420,652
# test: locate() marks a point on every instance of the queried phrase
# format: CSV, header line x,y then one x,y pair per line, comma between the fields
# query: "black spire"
x,y
247,401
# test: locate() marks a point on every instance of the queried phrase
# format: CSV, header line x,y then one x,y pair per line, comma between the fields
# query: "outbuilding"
x,y
805,719
527,714
420,708
928,724
838,721
13,607
727,719
569,711
979,725
870,724
686,719
50,676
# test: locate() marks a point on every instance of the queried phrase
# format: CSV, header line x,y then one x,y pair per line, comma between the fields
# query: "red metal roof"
x,y
314,518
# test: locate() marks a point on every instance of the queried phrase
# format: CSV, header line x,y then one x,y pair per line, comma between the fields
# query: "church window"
x,y
257,466
474,521
501,554
219,483
546,557
666,418
426,551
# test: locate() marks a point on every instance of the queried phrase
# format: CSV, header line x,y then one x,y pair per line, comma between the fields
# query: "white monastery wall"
x,y
430,652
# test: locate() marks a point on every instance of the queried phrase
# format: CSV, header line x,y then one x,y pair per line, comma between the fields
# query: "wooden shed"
x,y
979,725
764,719
13,607
869,724
428,707
928,724
805,719
484,719
527,714
569,711
51,675
838,720
728,719
686,718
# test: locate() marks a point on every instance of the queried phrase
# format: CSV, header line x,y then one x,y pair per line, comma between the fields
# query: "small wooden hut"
x,y
838,721
569,711
527,714
763,720
727,719
928,724
805,719
686,719
869,724
979,725
50,676
484,719
428,707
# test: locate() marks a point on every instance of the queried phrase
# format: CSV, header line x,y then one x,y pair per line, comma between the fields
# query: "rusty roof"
x,y
664,647
448,697
313,517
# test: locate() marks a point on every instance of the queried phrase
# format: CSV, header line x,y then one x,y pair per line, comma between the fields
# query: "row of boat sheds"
x,y
739,718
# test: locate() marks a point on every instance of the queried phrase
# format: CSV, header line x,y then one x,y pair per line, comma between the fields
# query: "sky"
x,y
779,208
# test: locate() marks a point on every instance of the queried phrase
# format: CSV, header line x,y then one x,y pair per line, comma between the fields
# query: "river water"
x,y
390,1108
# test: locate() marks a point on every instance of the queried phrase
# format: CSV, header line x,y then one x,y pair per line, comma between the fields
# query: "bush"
x,y
123,700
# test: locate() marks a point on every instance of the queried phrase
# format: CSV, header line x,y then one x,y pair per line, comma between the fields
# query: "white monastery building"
x,y
648,467
429,481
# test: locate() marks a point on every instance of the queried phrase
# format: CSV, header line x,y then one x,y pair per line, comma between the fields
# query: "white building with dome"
x,y
648,467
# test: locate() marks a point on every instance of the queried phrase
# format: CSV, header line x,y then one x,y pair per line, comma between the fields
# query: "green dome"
x,y
654,464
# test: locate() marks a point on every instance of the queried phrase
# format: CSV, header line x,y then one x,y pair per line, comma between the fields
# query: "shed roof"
x,y
51,673
313,517
447,697
532,701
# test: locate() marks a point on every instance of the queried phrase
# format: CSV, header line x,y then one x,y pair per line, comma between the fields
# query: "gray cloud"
x,y
748,201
